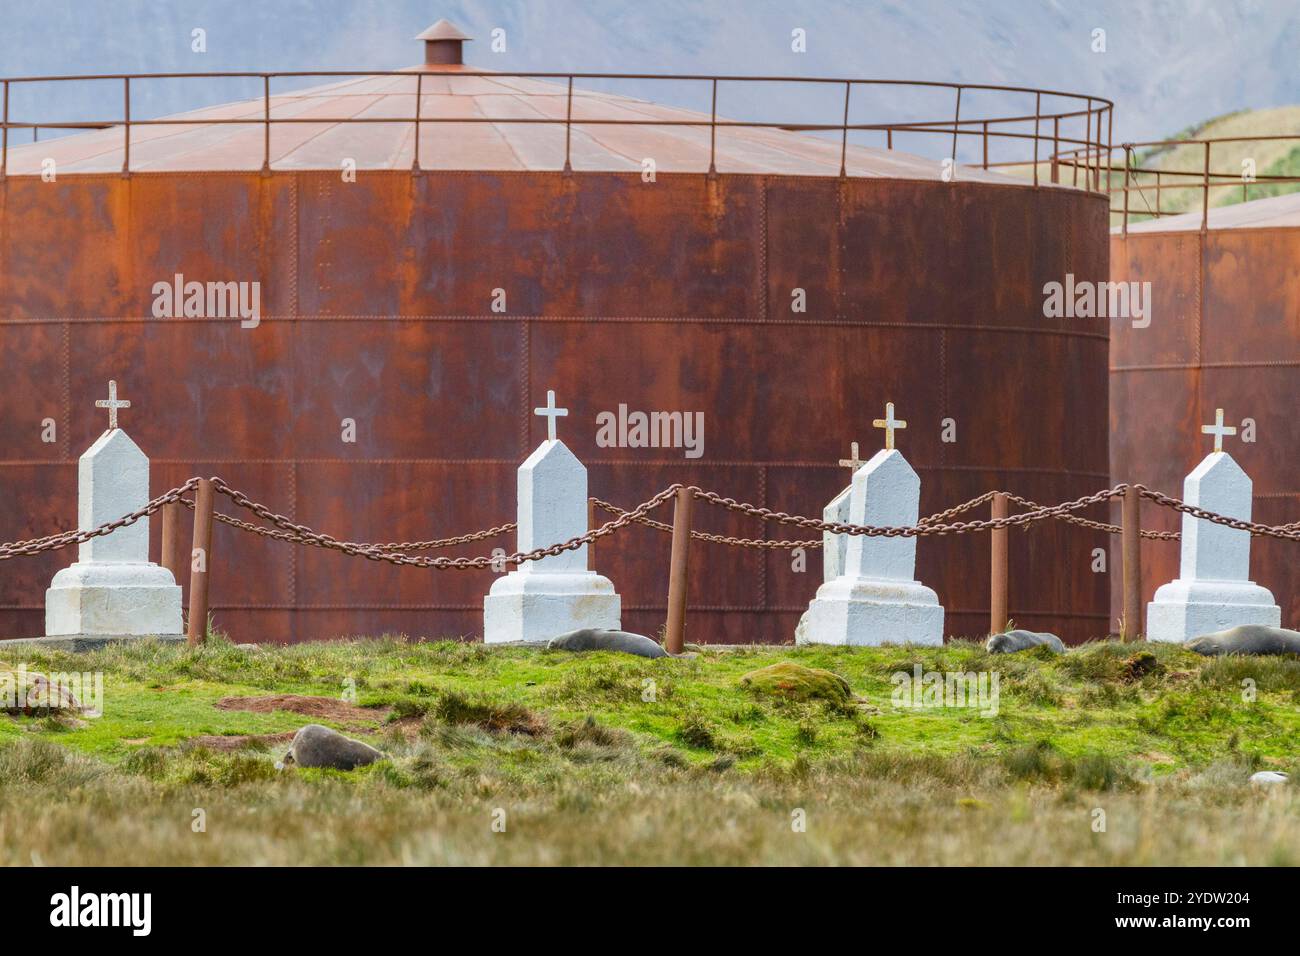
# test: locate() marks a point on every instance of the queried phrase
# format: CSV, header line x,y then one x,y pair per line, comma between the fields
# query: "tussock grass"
x,y
602,758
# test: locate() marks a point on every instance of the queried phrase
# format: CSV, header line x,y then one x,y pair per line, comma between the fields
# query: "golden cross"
x,y
1218,430
853,462
889,423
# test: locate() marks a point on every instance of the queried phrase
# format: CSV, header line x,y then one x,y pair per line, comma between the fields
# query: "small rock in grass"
x,y
1269,777
599,639
317,746
248,647
796,682
28,692
1018,640
1257,639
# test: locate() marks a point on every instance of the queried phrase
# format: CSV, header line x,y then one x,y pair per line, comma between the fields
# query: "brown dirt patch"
x,y
239,742
329,707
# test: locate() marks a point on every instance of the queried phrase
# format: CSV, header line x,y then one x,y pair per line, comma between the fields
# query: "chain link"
x,y
1095,525
784,544
56,542
1287,532
918,530
383,548
301,534
396,552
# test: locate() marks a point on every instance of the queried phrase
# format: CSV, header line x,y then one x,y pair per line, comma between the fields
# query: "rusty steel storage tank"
x,y
1224,333
785,282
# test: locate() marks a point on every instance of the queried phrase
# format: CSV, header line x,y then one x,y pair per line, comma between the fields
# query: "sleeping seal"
x,y
1018,640
600,639
318,746
1256,639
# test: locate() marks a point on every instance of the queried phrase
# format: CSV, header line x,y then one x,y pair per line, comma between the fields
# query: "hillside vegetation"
x,y
603,758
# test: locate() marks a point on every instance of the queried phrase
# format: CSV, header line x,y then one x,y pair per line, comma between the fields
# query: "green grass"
x,y
610,758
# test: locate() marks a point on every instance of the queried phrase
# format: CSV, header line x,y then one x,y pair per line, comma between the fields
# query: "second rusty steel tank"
x,y
1224,332
786,294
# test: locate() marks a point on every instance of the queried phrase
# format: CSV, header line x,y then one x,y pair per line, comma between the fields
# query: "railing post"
x,y
1158,191
1128,162
1056,149
986,145
4,145
568,128
1132,550
419,97
1038,110
200,564
172,557
675,629
956,125
266,124
1205,191
126,127
998,613
1087,146
713,133
844,131
1110,145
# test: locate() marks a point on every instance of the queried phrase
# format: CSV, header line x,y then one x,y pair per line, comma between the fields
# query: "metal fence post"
x,y
998,615
675,630
1132,550
172,558
200,564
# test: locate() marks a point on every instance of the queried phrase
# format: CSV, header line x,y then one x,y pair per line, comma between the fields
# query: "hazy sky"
x,y
1167,64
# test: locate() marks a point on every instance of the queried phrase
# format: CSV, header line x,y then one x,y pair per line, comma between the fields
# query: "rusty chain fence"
x,y
403,554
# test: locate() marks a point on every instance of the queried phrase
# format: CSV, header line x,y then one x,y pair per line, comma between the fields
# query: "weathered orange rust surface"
x,y
1225,334
673,295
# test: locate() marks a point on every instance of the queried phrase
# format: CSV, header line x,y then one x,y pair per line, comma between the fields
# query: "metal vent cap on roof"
x,y
443,44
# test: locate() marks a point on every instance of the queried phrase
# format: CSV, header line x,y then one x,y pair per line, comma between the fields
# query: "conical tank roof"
x,y
467,117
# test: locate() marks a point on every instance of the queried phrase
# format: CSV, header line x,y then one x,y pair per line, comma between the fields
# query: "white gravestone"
x,y
542,599
876,600
834,546
113,590
1213,590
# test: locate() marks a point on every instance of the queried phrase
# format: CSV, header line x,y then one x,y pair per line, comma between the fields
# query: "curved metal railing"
x,y
1082,124
1140,187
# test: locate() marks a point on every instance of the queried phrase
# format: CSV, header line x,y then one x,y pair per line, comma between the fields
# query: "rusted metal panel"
x,y
1225,334
667,296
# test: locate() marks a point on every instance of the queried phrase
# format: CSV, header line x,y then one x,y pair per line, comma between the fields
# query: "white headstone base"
x,y
535,606
123,599
866,612
1183,610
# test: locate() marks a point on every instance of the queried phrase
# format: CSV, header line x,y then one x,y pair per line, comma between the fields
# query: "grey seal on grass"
x,y
1256,639
318,746
1018,640
599,639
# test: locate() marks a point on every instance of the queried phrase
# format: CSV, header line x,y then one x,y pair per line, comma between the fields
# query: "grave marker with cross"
x,y
889,424
112,404
550,413
1218,430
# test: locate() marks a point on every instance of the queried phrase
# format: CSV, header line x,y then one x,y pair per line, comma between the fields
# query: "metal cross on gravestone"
x,y
112,404
853,462
889,423
1218,430
550,413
